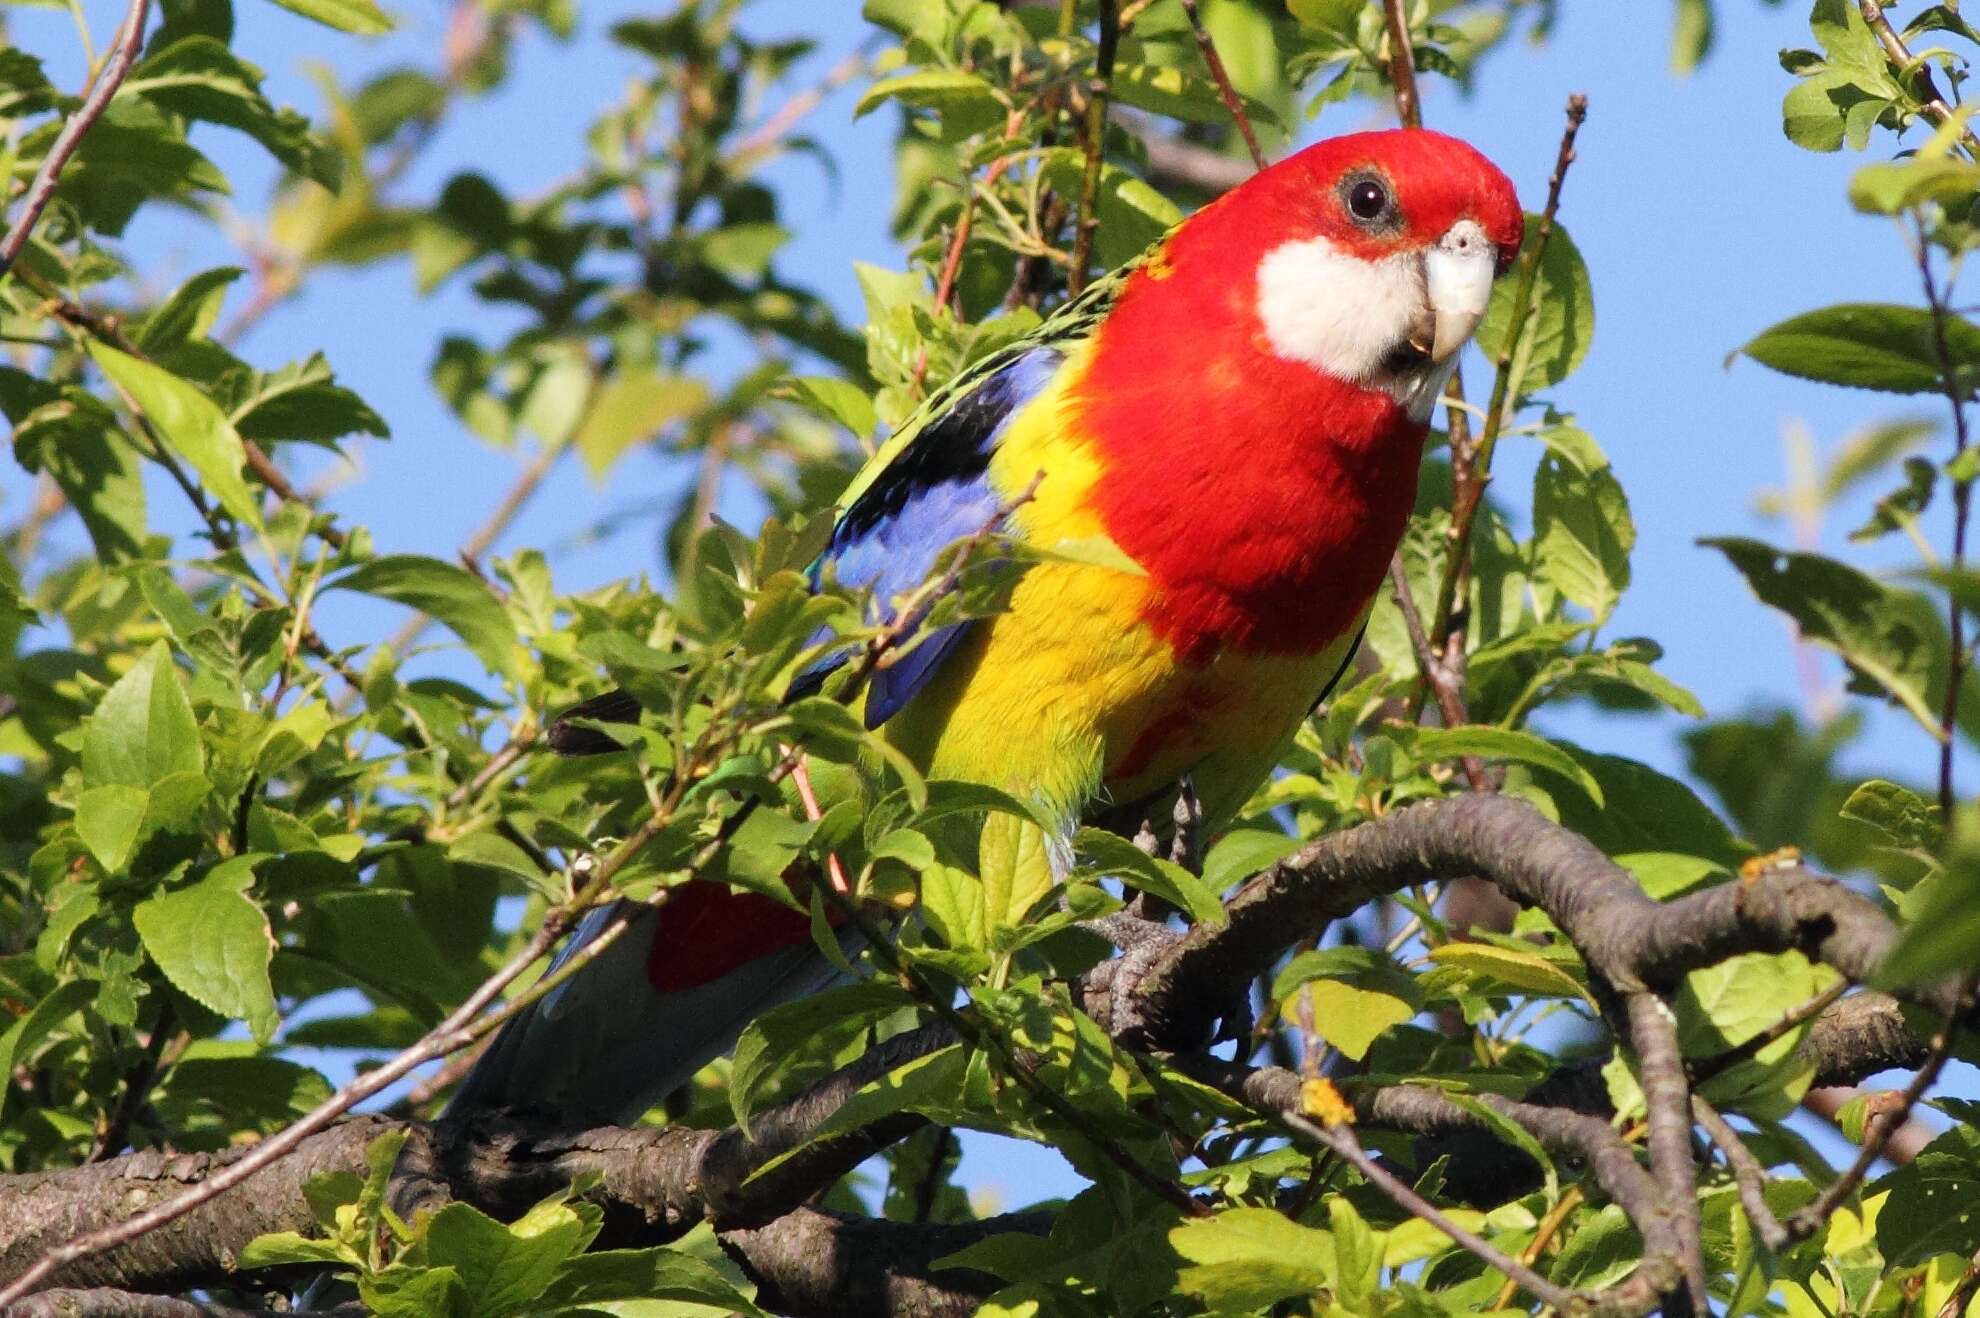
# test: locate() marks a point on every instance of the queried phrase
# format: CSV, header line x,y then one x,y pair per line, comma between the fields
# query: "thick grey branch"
x,y
1629,940
812,1261
104,1302
653,1183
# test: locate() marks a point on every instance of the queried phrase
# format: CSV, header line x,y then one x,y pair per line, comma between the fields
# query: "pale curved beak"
x,y
1457,282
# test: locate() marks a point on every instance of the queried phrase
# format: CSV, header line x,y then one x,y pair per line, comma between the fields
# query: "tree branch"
x,y
653,1183
102,89
1629,940
108,1302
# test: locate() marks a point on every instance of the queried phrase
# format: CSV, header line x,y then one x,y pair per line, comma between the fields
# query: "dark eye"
x,y
1367,199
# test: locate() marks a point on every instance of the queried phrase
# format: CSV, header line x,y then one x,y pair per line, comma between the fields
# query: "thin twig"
x,y
1402,66
518,745
457,1030
1341,1139
1881,1127
82,318
1747,1171
1219,75
1470,494
1956,657
1434,673
137,1088
41,190
1087,223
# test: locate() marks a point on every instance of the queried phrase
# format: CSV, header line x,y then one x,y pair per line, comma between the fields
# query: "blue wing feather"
x,y
934,492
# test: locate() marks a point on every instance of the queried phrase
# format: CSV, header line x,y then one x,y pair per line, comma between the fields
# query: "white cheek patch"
x,y
1336,312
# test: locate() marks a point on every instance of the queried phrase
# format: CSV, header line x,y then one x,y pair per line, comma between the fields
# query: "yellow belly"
x,y
1069,701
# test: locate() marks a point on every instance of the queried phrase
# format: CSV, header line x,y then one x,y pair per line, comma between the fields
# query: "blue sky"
x,y
1701,225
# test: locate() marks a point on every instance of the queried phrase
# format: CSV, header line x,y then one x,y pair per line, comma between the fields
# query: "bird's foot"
x,y
1112,985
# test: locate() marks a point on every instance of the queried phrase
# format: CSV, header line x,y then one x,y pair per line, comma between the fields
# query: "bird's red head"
x,y
1367,257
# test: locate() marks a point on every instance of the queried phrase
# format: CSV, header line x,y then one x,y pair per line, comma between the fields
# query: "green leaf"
x,y
1602,1251
359,16
1840,608
143,729
189,422
1561,322
1643,810
966,103
1834,105
301,401
198,77
108,820
279,1247
1180,93
1243,852
504,1269
1722,1006
644,1275
1503,970
1246,1259
454,597
1665,874
17,1045
1118,858
1941,933
490,850
1582,533
1868,345
1928,1205
1691,35
1503,744
834,399
1351,1018
408,1291
1902,506
1357,1255
78,442
803,1040
213,942
1905,818
1013,864
1869,450
1133,214
1889,187
188,313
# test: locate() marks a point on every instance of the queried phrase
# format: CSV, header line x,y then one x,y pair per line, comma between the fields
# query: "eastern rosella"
x,y
1241,411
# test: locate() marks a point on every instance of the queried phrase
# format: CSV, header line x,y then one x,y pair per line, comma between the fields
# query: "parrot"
x,y
1240,412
